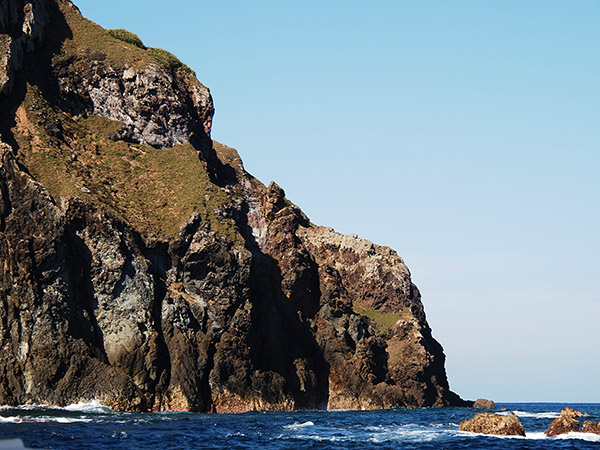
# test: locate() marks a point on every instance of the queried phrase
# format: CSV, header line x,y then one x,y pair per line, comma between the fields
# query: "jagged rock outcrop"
x,y
497,424
142,266
373,280
155,106
567,422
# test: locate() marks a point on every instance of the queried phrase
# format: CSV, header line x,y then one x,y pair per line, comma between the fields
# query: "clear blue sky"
x,y
465,135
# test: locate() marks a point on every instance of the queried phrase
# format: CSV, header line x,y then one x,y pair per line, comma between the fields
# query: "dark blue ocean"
x,y
91,426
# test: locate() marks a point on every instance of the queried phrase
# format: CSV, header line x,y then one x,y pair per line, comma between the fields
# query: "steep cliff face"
x,y
142,266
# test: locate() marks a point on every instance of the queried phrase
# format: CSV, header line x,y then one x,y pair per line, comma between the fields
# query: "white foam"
x,y
376,434
536,435
23,407
592,437
297,425
10,419
539,415
497,436
93,406
404,435
539,435
42,419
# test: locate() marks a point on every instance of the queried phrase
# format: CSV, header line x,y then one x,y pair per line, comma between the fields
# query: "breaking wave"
x,y
42,419
93,406
297,425
535,415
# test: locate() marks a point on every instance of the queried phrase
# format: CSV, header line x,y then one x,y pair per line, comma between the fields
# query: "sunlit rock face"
x,y
142,266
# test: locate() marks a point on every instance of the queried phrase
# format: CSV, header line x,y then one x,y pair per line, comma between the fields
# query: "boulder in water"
x,y
483,403
497,424
565,423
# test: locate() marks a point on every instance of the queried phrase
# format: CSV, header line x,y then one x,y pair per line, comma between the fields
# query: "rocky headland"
x,y
141,265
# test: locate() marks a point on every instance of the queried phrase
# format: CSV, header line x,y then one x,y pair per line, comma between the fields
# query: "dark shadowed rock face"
x,y
142,266
497,424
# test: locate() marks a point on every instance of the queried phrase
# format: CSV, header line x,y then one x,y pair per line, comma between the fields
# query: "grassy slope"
x,y
91,40
155,190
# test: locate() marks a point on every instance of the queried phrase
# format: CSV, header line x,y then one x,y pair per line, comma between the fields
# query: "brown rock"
x,y
488,423
483,403
561,425
567,423
113,287
591,427
570,412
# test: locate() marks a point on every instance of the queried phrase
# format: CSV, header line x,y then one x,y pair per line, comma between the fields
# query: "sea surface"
x,y
92,426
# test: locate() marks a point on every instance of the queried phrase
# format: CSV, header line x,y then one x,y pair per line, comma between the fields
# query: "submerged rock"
x,y
497,424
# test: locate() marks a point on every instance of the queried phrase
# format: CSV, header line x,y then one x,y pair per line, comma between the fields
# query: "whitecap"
x,y
497,436
94,406
65,419
535,435
23,407
538,415
539,435
297,425
592,437
10,419
410,435
238,434
42,419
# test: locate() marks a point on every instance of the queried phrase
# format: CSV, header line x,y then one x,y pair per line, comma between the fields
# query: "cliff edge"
x,y
141,265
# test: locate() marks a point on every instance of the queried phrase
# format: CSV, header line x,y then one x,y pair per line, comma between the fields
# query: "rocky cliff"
x,y
143,266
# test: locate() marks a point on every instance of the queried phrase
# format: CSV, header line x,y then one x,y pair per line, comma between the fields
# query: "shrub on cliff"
x,y
127,36
168,60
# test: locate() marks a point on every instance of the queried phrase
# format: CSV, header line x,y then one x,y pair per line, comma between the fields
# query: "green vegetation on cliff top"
x,y
154,190
119,47
127,36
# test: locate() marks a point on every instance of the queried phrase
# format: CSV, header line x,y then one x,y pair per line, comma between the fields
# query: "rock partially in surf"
x,y
565,423
570,412
483,403
497,424
591,427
